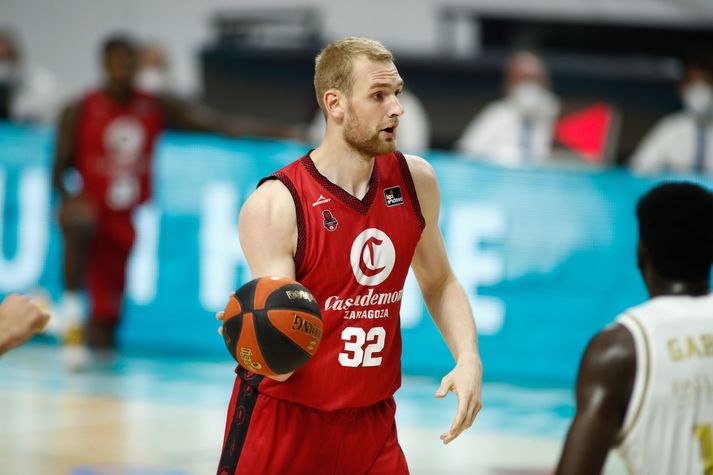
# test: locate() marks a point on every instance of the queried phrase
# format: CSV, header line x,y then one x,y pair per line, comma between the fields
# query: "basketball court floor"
x,y
151,415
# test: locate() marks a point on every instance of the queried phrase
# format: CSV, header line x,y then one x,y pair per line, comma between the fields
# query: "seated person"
x,y
683,141
517,129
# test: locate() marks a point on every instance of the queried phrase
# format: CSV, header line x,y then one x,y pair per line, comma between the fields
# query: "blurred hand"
x,y
19,320
466,381
77,210
280,377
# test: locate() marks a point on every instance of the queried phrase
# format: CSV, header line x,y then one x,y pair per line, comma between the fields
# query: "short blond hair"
x,y
334,65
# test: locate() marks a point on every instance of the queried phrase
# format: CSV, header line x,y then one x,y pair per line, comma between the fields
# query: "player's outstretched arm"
x,y
268,231
267,227
447,304
19,320
604,385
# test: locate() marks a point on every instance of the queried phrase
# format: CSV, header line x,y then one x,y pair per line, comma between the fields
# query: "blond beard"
x,y
359,139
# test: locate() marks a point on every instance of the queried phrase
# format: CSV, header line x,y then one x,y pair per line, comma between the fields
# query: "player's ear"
x,y
334,103
642,256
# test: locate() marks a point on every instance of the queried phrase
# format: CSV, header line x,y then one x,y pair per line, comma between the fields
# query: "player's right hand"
x,y
280,377
77,210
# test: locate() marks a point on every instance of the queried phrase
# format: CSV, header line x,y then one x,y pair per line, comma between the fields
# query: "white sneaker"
x,y
76,357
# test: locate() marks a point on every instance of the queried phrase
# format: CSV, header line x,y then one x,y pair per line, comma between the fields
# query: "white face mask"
x,y
529,97
152,80
698,98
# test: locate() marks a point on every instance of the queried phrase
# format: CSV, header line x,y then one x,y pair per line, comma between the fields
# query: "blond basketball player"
x,y
645,384
347,220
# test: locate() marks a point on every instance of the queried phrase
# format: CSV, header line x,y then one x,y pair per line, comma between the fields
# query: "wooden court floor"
x,y
152,415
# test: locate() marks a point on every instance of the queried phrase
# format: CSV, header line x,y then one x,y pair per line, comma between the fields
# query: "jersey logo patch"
x,y
393,196
330,222
372,257
321,200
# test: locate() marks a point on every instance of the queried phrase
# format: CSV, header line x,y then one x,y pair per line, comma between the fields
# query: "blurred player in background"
x,y
347,220
102,172
645,384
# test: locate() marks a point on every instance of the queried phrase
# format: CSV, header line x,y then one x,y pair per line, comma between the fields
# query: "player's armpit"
x,y
268,231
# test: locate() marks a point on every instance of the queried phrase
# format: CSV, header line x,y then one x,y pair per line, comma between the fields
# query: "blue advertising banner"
x,y
546,256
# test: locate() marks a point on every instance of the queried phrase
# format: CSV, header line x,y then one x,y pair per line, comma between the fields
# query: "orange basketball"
x,y
272,325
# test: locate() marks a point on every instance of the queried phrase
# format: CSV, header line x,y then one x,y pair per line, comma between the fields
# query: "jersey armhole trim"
x,y
411,188
301,229
641,383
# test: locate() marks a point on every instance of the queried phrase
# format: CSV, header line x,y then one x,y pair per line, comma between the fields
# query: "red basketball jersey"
x,y
115,143
354,256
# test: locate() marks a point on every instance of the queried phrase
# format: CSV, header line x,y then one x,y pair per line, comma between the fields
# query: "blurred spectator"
x,y
517,129
683,141
154,73
414,131
28,92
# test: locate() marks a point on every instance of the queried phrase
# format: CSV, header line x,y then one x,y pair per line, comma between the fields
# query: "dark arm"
x,y
65,146
604,386
185,115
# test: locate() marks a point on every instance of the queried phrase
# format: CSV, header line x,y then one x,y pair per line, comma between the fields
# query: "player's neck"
x,y
118,93
659,286
344,166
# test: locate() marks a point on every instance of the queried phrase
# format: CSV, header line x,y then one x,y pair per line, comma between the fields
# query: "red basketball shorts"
x,y
106,263
274,437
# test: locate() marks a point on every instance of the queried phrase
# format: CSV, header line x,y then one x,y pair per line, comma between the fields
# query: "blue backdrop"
x,y
545,255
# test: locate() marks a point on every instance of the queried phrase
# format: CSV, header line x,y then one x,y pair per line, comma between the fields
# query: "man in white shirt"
x,y
683,142
28,92
517,129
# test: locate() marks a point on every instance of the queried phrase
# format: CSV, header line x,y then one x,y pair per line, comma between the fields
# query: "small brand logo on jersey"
x,y
330,222
393,196
373,257
321,200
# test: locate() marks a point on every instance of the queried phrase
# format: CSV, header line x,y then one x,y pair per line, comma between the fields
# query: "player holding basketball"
x,y
109,137
347,220
646,383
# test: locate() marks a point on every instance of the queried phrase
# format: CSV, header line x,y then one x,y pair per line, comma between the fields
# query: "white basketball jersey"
x,y
668,425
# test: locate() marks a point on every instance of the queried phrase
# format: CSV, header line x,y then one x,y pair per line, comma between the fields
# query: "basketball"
x,y
272,325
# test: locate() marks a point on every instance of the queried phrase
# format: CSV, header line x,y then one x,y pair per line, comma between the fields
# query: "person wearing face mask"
x,y
683,142
517,129
28,92
153,74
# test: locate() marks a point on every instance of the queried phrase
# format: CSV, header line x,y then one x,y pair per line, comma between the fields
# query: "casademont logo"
x,y
372,257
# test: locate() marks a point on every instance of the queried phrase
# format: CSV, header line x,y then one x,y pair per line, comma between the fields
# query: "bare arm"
x,y
268,235
65,146
604,385
19,320
447,304
268,231
185,115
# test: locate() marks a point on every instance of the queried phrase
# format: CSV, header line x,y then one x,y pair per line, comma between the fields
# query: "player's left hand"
x,y
466,381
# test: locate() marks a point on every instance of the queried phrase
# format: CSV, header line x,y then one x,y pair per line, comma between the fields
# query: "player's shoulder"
x,y
422,172
611,353
271,203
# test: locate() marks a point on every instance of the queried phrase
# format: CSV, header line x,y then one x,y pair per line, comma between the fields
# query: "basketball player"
x,y
19,320
347,220
645,384
102,172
